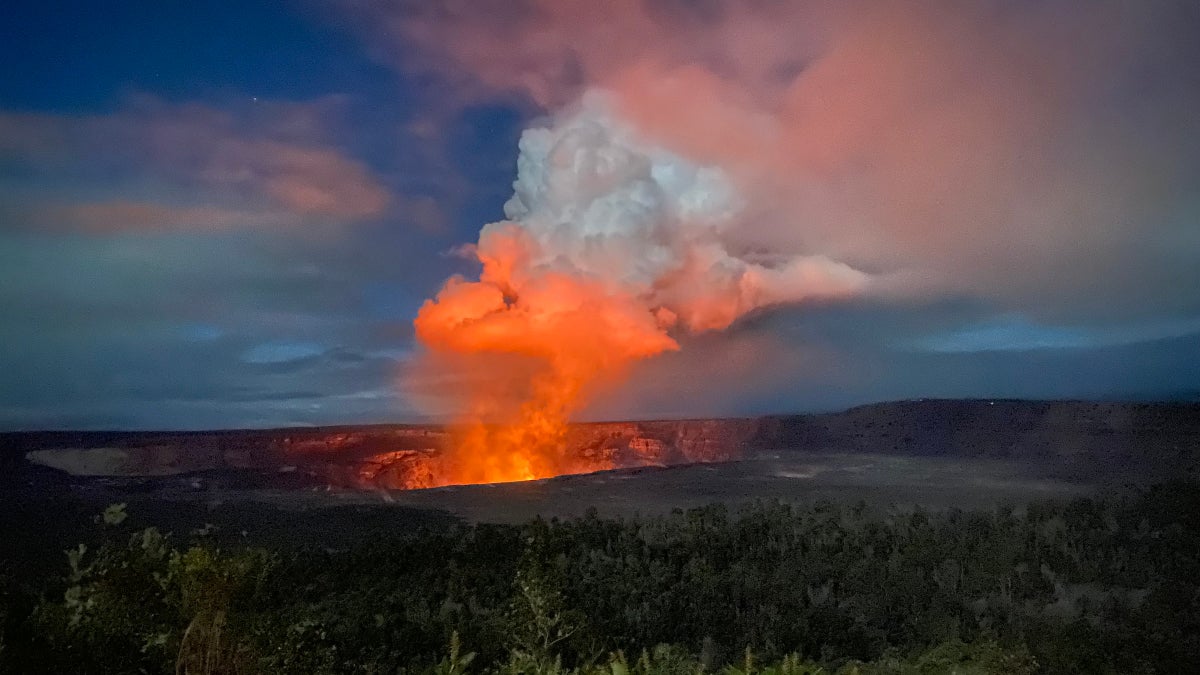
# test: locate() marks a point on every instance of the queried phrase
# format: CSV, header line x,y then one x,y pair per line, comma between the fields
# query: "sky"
x,y
229,214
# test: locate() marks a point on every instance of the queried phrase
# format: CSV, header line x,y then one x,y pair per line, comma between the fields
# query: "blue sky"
x,y
227,214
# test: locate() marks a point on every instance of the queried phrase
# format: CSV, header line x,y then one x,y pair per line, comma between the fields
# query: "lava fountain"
x,y
612,248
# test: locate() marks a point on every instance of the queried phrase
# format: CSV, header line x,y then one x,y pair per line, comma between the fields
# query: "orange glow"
x,y
570,334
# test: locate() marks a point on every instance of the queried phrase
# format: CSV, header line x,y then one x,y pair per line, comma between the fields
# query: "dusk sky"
x,y
229,214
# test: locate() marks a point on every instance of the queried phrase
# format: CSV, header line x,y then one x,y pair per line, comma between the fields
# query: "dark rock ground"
x,y
295,486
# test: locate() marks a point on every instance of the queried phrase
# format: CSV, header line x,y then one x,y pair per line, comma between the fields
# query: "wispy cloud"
x,y
1016,333
201,167
121,215
282,352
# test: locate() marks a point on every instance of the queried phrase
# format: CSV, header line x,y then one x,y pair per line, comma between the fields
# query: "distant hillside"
x,y
997,428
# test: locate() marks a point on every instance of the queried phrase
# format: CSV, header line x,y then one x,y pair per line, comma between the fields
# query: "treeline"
x,y
1084,586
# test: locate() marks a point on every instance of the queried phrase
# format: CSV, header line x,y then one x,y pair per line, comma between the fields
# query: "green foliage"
x,y
3,617
775,589
143,605
985,657
955,658
539,622
456,662
113,515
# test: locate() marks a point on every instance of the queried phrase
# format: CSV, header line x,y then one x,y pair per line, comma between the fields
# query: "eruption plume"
x,y
611,247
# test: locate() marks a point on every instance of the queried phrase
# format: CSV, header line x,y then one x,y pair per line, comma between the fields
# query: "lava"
x,y
574,334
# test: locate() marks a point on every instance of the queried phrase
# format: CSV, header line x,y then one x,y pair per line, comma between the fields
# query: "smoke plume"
x,y
611,246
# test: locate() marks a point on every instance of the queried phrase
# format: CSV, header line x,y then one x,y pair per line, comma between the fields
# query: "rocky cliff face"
x,y
391,455
998,428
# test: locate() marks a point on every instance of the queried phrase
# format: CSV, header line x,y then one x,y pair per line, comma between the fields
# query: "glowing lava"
x,y
573,333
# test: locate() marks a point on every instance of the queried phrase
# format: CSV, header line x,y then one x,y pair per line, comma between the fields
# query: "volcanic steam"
x,y
613,247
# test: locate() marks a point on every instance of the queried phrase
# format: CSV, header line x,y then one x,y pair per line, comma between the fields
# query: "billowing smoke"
x,y
611,245
1031,158
1041,156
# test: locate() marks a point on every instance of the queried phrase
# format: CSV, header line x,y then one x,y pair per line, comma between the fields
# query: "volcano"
x,y
1119,439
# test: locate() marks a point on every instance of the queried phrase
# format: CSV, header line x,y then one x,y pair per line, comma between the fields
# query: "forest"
x,y
1084,586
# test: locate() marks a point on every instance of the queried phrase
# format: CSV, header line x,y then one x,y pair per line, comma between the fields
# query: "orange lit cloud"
x,y
121,215
223,173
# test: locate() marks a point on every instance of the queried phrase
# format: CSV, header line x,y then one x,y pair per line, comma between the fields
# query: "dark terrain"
x,y
852,551
937,453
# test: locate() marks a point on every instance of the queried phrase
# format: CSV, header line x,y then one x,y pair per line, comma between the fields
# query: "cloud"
x,y
1042,156
186,329
833,357
424,212
120,215
282,352
200,166
1017,333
